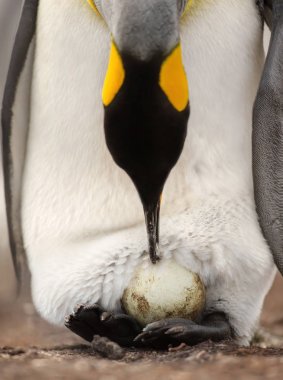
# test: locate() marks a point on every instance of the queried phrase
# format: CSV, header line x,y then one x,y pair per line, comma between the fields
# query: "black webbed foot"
x,y
160,334
87,321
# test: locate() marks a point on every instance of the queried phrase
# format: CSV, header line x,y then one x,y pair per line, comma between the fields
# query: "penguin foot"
x,y
175,331
87,321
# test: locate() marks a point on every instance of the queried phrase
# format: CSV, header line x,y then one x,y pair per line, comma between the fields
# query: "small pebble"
x,y
106,348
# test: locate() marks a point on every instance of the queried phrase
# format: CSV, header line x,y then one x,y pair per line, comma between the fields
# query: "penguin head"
x,y
145,96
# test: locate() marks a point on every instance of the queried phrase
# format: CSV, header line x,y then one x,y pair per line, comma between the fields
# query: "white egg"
x,y
164,290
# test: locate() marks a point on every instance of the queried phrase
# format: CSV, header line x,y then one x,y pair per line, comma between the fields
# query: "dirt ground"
x,y
32,349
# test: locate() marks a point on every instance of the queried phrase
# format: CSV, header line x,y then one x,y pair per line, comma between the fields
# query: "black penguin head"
x,y
146,103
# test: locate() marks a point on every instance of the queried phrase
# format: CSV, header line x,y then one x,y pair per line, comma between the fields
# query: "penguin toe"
x,y
90,320
122,325
85,321
165,332
174,331
78,327
161,327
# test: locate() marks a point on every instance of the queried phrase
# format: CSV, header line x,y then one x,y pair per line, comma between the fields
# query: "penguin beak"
x,y
146,107
152,226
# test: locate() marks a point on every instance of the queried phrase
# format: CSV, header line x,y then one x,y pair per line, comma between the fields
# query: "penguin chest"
x,y
70,178
71,184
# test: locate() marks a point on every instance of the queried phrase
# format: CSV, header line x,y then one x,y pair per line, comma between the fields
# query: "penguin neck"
x,y
223,57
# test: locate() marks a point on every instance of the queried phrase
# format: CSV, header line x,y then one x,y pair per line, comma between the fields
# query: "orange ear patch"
x,y
115,76
173,80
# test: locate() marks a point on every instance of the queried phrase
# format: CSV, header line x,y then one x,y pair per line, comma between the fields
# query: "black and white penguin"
x,y
78,215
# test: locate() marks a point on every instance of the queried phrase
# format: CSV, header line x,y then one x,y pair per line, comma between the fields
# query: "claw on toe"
x,y
79,308
141,337
67,319
175,330
105,316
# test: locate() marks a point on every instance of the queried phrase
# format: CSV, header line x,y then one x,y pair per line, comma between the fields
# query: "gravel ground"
x,y
32,349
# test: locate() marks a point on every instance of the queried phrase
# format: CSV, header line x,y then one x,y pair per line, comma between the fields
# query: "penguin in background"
x,y
78,168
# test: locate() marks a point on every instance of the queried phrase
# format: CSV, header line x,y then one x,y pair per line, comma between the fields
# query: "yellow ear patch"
x,y
115,76
93,6
173,80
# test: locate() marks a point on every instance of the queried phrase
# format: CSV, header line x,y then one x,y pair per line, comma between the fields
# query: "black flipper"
x,y
15,119
268,137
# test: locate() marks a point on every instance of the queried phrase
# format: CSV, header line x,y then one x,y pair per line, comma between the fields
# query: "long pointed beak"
x,y
151,214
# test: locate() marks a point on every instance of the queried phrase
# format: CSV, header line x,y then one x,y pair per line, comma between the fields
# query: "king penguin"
x,y
82,171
